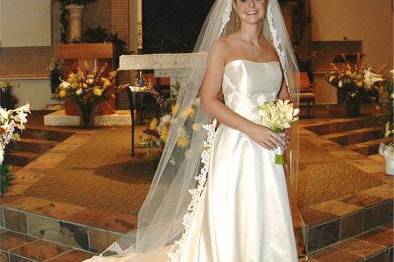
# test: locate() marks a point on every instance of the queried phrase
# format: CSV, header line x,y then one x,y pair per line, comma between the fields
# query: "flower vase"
x,y
86,115
388,153
352,108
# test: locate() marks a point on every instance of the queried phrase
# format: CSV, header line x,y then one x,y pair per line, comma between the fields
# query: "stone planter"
x,y
75,21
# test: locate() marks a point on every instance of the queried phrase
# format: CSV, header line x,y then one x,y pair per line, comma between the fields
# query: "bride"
x,y
223,199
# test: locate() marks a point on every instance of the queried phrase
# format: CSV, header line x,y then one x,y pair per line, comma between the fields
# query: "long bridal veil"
x,y
161,217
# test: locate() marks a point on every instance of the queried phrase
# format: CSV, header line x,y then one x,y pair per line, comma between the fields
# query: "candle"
x,y
139,11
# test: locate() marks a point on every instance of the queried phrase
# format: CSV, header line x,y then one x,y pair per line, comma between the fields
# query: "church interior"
x,y
74,174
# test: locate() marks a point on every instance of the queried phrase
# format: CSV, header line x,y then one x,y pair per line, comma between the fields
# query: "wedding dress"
x,y
244,213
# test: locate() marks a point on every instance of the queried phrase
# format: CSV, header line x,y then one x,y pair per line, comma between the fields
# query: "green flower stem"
x,y
279,159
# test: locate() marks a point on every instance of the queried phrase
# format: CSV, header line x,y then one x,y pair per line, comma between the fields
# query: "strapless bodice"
x,y
244,81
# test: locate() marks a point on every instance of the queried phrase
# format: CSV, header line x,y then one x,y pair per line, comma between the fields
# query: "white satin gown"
x,y
244,214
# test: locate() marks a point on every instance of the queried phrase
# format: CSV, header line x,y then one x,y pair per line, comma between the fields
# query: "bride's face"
x,y
251,11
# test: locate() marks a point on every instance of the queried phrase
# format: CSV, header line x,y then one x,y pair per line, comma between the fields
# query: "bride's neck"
x,y
251,33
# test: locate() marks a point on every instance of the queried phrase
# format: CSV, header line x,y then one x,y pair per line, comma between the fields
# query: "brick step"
x,y
343,125
336,220
373,246
369,147
34,145
46,133
20,247
20,158
356,136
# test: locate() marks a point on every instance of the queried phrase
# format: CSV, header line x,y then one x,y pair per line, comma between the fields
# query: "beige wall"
x,y
365,20
370,22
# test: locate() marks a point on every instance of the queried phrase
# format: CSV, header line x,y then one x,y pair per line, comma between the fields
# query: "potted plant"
x,y
87,90
71,18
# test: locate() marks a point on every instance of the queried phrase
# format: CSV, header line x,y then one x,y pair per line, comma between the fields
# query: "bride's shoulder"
x,y
222,46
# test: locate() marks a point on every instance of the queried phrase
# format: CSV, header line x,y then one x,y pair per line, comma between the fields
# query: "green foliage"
x,y
76,2
6,178
94,35
56,74
99,35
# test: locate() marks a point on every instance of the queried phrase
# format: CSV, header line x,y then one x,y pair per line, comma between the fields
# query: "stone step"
x,y
342,125
34,145
46,133
373,246
356,136
336,220
61,225
20,247
369,147
20,158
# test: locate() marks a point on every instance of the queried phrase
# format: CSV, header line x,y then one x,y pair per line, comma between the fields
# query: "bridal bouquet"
x,y
277,115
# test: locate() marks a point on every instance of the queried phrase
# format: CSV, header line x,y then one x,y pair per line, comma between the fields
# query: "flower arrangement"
x,y
87,89
157,130
277,115
355,82
10,120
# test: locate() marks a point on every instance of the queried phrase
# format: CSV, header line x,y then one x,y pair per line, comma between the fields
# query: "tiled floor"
x,y
80,195
19,247
373,246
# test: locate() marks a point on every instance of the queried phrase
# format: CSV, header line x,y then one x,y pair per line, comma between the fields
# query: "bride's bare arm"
x,y
211,102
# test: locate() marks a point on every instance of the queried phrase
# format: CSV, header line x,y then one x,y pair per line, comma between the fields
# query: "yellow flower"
x,y
153,124
164,133
189,112
97,91
360,84
106,82
112,74
62,93
75,85
174,109
182,141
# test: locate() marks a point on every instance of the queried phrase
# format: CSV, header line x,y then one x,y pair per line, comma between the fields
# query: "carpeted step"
x,y
46,133
356,136
343,125
34,145
20,158
369,147
15,168
373,246
20,247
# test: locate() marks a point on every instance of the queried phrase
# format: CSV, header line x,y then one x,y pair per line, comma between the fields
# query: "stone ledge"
x,y
59,118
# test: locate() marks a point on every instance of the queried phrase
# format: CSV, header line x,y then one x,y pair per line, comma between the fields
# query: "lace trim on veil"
x,y
174,256
277,43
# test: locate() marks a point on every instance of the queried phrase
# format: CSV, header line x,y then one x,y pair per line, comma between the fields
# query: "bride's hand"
x,y
286,135
266,137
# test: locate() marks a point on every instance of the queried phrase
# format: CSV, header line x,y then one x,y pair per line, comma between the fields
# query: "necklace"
x,y
255,50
